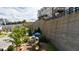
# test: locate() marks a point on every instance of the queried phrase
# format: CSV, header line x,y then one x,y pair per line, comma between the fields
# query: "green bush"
x,y
1,49
25,39
17,35
30,32
51,47
38,30
43,39
10,48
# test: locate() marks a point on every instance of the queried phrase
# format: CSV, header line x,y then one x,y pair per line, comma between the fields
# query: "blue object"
x,y
37,34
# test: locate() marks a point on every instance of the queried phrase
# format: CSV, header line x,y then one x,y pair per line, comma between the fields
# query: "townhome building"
x,y
50,12
47,13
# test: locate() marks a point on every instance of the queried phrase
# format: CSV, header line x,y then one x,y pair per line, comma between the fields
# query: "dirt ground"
x,y
43,46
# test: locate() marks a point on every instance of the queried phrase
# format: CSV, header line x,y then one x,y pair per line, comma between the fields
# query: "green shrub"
x,y
43,39
1,49
30,32
17,35
51,47
38,30
25,39
10,48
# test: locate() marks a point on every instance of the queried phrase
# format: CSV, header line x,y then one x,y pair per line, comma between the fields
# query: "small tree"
x,y
24,21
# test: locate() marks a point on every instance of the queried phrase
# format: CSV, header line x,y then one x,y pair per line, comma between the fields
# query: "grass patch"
x,y
51,47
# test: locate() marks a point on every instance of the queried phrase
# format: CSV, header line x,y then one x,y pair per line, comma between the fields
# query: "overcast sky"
x,y
19,13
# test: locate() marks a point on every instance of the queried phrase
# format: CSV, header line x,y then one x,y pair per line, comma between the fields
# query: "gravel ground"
x,y
4,42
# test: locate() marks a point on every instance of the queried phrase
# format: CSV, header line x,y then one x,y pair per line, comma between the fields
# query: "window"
x,y
76,9
70,10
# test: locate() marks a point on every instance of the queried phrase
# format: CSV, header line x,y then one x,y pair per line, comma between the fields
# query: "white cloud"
x,y
18,13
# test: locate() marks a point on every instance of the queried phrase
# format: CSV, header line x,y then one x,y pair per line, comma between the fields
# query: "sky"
x,y
19,13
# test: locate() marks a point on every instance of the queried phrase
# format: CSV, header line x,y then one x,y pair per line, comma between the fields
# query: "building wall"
x,y
45,11
63,31
51,12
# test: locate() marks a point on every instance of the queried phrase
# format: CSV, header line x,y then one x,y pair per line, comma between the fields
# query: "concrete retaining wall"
x,y
63,31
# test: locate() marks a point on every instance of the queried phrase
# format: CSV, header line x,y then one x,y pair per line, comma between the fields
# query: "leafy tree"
x,y
24,21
